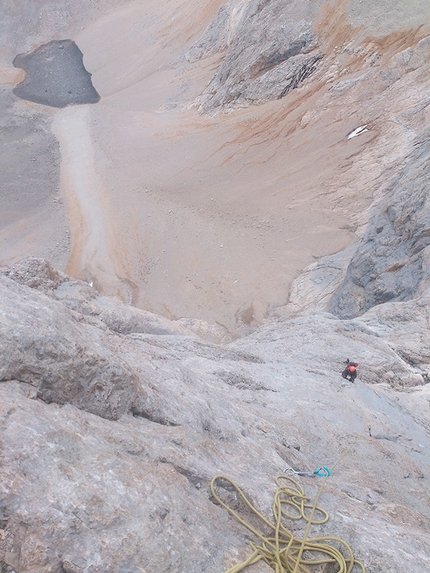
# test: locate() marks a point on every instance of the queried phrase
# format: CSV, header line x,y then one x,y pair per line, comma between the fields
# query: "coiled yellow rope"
x,y
282,551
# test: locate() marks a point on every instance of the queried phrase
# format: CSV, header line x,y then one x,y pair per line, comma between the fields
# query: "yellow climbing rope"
x,y
282,551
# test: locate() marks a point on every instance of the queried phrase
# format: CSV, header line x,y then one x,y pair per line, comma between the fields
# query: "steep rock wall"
x,y
270,49
391,261
87,487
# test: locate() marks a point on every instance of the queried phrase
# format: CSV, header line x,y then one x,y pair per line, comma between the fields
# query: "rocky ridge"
x,y
270,49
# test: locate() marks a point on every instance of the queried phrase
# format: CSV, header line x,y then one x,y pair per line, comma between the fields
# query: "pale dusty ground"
x,y
213,217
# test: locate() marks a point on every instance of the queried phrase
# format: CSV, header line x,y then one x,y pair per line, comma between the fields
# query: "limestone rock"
x,y
45,345
404,325
269,47
392,259
315,286
107,453
342,339
35,273
114,420
81,297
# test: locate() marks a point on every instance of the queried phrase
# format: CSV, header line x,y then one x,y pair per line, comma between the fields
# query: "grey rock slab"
x,y
67,361
92,492
100,505
99,498
404,325
269,49
391,260
338,340
96,493
118,479
315,286
81,297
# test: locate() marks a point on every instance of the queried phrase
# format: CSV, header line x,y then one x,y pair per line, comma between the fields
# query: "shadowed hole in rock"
x,y
196,480
291,457
264,63
151,416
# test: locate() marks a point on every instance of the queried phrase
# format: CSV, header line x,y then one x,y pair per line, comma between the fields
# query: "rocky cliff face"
x,y
114,426
391,260
271,132
270,49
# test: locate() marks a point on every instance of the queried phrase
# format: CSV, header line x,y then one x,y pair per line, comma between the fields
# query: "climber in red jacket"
x,y
350,372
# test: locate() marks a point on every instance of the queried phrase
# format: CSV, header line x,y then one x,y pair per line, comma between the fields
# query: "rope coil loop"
x,y
293,495
283,552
